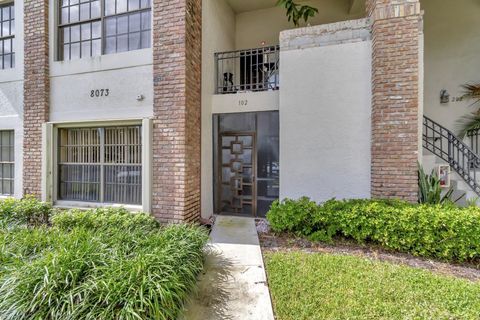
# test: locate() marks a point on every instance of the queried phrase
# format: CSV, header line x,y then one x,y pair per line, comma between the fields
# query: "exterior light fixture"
x,y
444,96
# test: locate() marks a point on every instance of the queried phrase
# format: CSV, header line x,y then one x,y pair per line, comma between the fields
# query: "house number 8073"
x,y
99,93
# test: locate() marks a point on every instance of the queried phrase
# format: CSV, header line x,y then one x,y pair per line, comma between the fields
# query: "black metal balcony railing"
x,y
445,145
474,140
247,70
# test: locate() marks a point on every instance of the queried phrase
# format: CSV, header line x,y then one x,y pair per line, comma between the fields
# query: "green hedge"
x,y
444,232
27,211
97,264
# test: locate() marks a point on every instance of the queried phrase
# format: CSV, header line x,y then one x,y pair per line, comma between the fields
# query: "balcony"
x,y
250,70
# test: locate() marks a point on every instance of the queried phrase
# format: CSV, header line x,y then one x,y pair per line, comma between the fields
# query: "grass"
x,y
100,264
325,286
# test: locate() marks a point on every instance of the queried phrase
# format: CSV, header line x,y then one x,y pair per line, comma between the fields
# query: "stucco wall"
x,y
254,27
125,75
452,50
11,98
218,35
325,108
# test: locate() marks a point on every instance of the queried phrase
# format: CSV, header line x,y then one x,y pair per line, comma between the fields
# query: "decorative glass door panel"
x,y
237,173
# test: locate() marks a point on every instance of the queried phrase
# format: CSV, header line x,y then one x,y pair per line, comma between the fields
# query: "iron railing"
x,y
444,144
473,137
247,70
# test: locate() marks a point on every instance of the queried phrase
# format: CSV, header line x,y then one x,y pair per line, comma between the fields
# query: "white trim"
x,y
61,204
147,141
50,163
99,123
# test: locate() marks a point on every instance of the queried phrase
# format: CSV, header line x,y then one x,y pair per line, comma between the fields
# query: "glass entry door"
x,y
246,156
237,173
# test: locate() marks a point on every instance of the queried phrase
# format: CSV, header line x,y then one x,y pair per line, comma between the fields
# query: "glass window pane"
x,y
121,6
66,35
86,29
6,28
122,24
74,14
111,45
134,22
75,33
6,13
146,39
64,15
96,47
145,3
134,41
80,151
111,26
95,9
133,5
146,21
75,51
7,167
66,52
85,11
86,49
109,7
96,30
122,43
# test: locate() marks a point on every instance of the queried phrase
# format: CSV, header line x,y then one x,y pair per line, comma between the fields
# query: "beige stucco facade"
x,y
311,99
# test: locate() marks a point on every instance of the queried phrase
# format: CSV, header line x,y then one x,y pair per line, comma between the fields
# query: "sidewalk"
x,y
233,285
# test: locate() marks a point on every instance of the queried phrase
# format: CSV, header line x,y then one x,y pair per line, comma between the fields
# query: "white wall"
x,y
71,88
325,112
246,102
11,98
126,75
254,27
452,51
218,35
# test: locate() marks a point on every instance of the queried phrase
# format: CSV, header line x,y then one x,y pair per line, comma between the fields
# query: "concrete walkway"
x,y
233,285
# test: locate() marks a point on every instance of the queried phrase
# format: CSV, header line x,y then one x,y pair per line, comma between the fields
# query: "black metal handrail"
x,y
445,145
474,140
247,70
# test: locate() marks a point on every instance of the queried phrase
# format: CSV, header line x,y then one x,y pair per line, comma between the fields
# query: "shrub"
x,y
104,218
444,232
27,211
75,271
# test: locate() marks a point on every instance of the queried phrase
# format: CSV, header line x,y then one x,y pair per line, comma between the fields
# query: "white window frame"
x,y
50,163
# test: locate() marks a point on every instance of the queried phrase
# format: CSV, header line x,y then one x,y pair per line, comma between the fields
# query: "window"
x,y
7,36
101,165
7,165
94,27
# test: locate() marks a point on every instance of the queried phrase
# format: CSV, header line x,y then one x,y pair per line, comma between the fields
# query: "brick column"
x,y
36,91
396,31
177,109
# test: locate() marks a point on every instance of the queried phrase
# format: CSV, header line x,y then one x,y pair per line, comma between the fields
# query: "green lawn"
x,y
324,286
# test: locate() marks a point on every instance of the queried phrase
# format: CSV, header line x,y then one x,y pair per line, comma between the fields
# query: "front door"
x,y
237,173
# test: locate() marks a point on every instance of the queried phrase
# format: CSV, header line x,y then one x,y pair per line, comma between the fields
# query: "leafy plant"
x,y
296,12
444,232
28,211
430,190
473,202
470,122
98,264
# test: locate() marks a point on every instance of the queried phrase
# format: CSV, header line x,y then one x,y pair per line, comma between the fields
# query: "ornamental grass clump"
x,y
99,264
438,231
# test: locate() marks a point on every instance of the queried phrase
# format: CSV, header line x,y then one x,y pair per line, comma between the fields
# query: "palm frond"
x,y
467,124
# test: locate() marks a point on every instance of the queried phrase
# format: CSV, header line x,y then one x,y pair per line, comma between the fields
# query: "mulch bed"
x,y
271,242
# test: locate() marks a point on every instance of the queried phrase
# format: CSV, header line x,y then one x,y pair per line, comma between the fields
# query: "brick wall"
x,y
177,107
36,91
396,29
